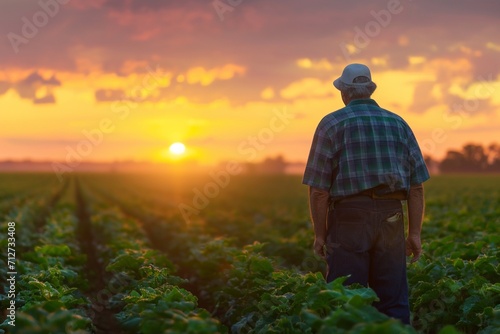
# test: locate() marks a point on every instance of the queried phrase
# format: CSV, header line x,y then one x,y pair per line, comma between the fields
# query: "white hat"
x,y
351,72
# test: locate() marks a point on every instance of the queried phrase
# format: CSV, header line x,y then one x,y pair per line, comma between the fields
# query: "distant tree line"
x,y
472,158
270,165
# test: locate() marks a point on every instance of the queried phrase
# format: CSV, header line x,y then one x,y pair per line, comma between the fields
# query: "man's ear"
x,y
344,98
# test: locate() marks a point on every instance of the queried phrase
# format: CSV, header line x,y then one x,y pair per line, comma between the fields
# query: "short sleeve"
x,y
418,168
319,167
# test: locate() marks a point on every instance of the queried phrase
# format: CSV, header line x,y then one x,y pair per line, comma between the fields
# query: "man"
x,y
364,161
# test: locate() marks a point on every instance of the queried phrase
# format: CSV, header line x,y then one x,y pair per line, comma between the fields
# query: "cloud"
x,y
35,78
307,87
423,97
36,88
321,64
493,46
156,20
4,87
267,93
47,99
82,5
37,141
206,77
455,85
416,60
106,95
469,107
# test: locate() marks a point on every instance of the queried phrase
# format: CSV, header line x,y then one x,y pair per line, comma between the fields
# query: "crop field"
x,y
117,253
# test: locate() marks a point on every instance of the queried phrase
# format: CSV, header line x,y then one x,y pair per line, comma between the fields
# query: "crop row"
x,y
143,290
49,287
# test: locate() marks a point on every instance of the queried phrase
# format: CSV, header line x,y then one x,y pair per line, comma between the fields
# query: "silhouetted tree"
x,y
275,165
473,158
453,162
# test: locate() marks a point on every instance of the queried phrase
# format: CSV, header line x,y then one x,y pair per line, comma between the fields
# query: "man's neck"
x,y
346,101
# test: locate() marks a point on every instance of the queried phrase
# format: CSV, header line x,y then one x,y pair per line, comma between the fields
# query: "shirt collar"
x,y
363,101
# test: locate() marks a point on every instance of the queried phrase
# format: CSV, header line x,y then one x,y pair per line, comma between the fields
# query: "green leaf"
x,y
261,265
449,329
470,303
494,288
459,263
53,250
132,324
357,301
124,262
53,305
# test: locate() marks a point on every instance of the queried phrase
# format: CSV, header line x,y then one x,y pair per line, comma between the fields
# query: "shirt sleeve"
x,y
319,167
418,168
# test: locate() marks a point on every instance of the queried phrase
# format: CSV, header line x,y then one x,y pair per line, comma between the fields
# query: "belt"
x,y
400,195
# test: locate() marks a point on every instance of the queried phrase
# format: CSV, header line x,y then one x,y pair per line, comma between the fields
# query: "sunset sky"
x,y
236,79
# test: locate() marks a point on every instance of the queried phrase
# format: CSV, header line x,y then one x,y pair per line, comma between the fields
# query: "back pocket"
x,y
352,229
392,229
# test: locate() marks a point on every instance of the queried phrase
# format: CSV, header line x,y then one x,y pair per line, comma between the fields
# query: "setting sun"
x,y
177,148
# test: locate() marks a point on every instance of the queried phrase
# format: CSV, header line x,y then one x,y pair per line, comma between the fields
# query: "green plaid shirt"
x,y
362,146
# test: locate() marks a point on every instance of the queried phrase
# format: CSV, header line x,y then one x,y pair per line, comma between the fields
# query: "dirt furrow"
x,y
102,316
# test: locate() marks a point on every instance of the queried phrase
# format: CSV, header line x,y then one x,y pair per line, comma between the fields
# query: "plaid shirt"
x,y
363,146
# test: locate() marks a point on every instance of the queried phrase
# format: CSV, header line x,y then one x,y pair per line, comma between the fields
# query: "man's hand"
x,y
413,247
416,208
319,200
319,248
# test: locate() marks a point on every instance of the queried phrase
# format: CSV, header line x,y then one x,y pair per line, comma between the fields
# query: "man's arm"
x,y
416,207
318,204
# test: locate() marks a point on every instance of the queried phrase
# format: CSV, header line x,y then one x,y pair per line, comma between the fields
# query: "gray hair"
x,y
353,92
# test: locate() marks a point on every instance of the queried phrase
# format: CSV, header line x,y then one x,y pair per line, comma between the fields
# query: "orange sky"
x,y
111,80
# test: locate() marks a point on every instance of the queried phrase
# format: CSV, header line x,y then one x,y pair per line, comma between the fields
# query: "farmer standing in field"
x,y
364,161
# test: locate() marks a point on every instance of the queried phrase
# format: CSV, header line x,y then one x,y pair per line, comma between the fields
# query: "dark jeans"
x,y
366,241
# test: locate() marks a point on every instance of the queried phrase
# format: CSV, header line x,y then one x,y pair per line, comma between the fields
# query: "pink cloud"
x,y
33,83
87,4
147,25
